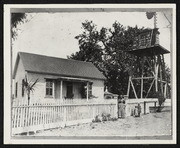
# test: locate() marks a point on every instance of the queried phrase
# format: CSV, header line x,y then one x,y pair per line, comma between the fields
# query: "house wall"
x,y
40,88
39,93
20,75
98,88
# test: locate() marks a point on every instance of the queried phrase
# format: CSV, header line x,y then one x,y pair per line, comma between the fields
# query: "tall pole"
x,y
87,95
155,20
142,77
61,87
129,86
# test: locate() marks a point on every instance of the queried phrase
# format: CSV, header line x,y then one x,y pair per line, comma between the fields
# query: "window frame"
x,y
90,90
16,89
51,87
22,87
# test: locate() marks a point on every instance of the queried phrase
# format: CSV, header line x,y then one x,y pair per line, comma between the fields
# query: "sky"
x,y
53,34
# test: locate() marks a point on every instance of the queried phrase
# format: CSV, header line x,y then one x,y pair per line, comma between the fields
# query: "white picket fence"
x,y
46,115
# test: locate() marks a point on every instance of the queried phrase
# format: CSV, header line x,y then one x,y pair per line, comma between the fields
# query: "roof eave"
x,y
55,74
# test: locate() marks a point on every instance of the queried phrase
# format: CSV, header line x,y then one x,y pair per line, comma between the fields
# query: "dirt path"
x,y
154,124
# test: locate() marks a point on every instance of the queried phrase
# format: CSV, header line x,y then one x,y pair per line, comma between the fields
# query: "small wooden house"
x,y
57,78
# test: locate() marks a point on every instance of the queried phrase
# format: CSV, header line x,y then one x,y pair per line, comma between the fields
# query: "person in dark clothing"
x,y
122,109
139,110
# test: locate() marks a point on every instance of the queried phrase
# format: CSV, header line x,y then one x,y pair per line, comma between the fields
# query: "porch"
x,y
67,88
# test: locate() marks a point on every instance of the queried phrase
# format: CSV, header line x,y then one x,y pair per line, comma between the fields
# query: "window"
x,y
22,87
49,87
90,90
16,89
84,90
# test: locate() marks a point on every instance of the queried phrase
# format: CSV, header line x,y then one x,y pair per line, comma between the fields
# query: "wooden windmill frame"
x,y
152,54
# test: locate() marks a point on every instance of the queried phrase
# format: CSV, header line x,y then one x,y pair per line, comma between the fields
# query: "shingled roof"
x,y
57,66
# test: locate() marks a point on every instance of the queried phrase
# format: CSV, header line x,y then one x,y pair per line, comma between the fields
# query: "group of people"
x,y
122,109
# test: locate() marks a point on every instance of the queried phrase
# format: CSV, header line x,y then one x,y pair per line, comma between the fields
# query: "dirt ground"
x,y
153,124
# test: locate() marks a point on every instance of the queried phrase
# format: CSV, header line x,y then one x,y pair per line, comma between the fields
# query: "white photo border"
x,y
9,8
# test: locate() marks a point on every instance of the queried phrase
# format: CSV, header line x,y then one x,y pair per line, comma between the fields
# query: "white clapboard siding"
x,y
44,115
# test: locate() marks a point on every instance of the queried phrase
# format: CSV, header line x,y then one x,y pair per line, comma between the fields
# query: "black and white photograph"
x,y
90,74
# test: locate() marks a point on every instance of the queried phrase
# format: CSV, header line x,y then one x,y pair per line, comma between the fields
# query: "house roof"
x,y
57,66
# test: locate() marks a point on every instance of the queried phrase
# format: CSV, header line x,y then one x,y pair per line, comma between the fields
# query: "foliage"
x,y
106,117
16,18
161,99
103,117
105,49
29,86
97,119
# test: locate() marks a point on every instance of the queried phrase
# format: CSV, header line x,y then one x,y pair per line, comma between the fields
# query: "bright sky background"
x,y
53,34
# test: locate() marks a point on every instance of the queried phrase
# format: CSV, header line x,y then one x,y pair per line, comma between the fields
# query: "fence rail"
x,y
39,116
144,103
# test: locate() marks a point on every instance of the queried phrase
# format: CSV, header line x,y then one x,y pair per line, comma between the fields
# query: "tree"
x,y
106,50
168,80
16,18
29,87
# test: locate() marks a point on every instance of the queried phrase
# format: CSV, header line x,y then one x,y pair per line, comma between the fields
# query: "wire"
x,y
167,19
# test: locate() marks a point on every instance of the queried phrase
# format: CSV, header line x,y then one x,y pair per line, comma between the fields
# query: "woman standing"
x,y
122,107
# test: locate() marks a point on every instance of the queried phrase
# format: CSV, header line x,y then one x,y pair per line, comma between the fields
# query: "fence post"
x,y
117,109
93,107
64,119
155,106
144,107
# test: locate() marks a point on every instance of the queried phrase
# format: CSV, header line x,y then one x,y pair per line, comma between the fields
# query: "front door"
x,y
69,93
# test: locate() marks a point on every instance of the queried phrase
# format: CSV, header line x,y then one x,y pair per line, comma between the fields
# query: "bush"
x,y
161,99
97,119
106,117
103,117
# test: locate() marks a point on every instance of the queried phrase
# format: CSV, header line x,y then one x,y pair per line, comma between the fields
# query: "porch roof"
x,y
74,79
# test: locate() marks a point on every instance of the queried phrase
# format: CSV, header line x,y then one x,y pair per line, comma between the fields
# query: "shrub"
x,y
106,117
161,99
97,119
103,117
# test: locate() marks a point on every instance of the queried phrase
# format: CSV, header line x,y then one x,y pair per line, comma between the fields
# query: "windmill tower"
x,y
149,77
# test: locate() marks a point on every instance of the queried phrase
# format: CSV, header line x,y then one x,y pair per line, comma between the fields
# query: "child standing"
x,y
137,110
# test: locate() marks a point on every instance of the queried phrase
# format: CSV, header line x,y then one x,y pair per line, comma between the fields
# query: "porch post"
x,y
165,89
61,87
87,91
